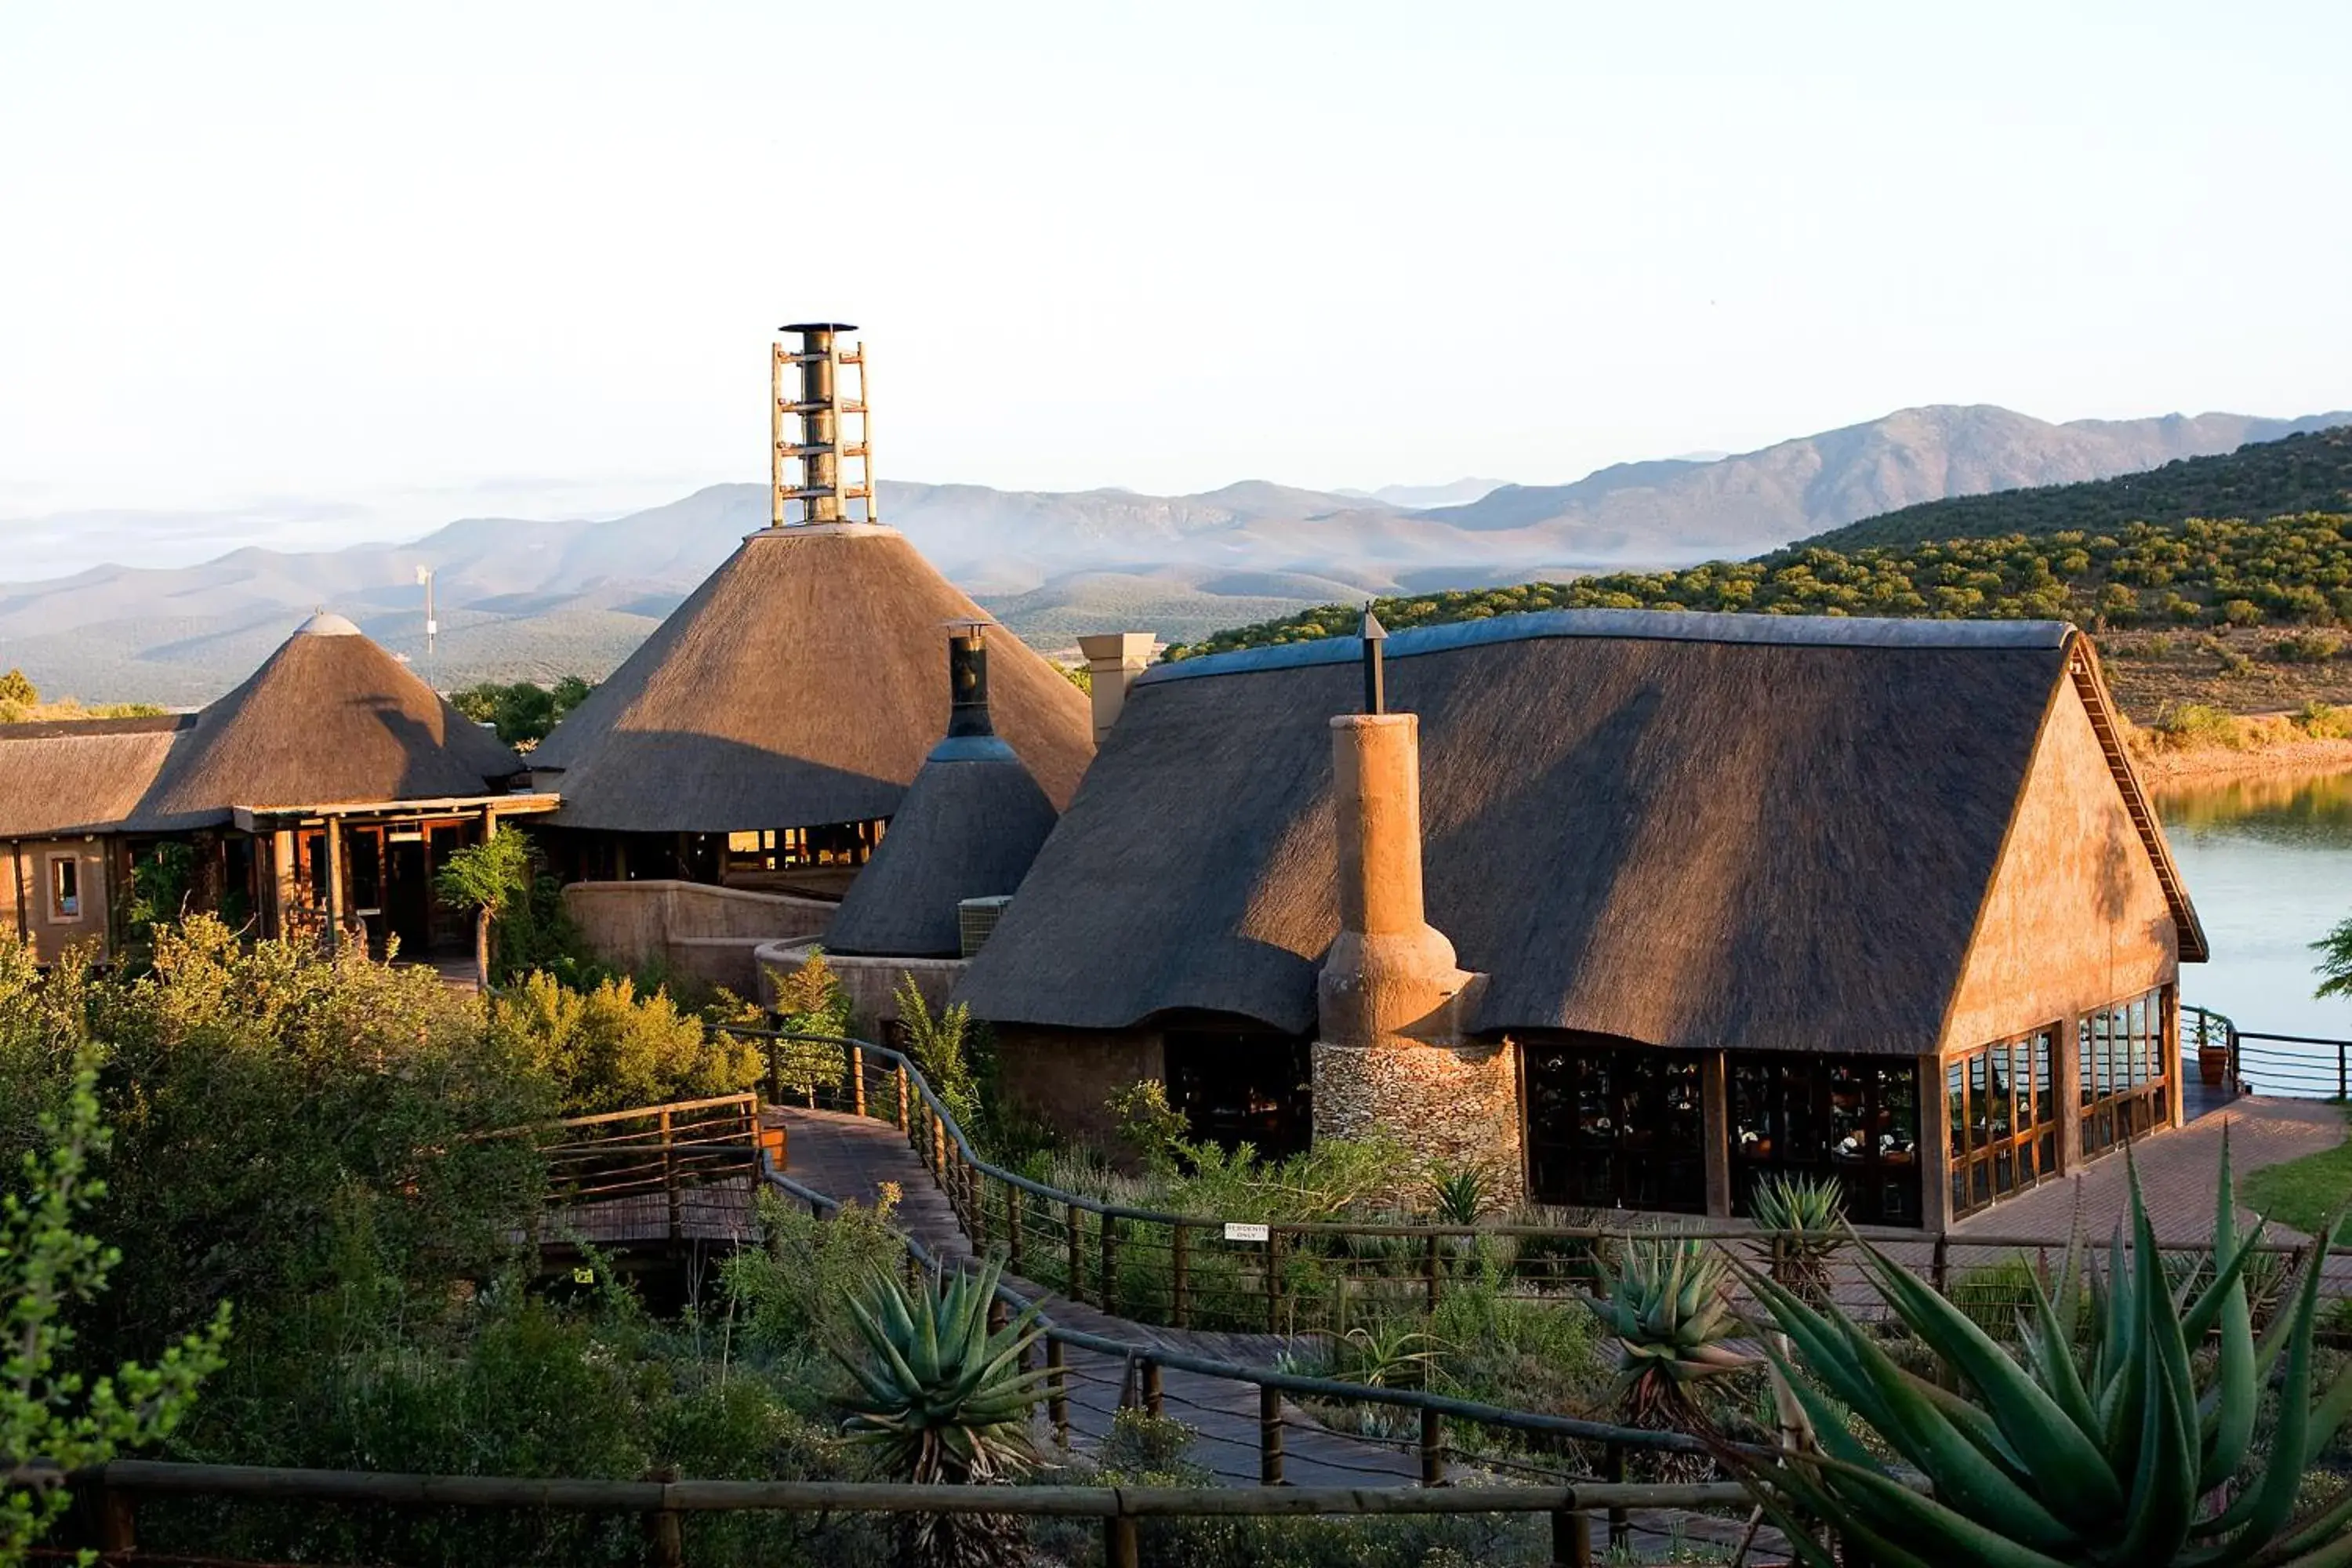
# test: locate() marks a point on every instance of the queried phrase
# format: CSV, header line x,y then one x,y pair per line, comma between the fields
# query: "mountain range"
x,y
523,598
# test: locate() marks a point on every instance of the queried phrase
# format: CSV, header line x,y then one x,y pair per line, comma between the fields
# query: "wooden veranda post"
x,y
858,1079
1269,1435
482,915
335,899
669,1176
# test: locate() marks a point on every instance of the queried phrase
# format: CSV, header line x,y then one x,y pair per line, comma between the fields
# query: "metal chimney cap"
x,y
818,327
1373,631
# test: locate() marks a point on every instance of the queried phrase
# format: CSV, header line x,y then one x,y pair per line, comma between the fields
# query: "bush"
x,y
612,1049
2321,723
2185,726
2306,647
809,1001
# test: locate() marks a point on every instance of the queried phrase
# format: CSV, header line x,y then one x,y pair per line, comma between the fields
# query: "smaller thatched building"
x,y
1730,895
318,796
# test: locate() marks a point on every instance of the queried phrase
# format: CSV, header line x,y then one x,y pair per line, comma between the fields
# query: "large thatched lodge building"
x,y
1632,908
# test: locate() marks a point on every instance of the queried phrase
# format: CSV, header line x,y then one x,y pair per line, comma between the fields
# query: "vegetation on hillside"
x,y
2294,571
523,711
2302,473
20,703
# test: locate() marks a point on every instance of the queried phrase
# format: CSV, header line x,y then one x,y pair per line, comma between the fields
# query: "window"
x,y
65,888
790,848
2003,1119
1853,1118
2120,1053
1614,1127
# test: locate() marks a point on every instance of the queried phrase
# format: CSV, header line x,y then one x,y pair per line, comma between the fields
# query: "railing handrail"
x,y
748,1099
2293,1039
580,1495
1668,1228
1291,1382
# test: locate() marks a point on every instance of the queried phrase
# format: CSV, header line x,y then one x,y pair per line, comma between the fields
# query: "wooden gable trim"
x,y
2082,667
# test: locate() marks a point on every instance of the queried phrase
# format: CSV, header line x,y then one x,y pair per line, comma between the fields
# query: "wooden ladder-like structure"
x,y
804,386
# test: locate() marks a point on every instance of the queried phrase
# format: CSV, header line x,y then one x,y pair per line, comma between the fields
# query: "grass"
x,y
2303,1193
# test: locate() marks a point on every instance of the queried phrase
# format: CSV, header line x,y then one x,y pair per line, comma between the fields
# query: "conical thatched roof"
x,y
968,828
328,719
799,685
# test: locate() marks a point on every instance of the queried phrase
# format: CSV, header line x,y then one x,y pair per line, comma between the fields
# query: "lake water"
x,y
2268,862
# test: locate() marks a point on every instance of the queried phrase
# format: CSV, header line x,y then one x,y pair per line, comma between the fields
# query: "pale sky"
x,y
307,273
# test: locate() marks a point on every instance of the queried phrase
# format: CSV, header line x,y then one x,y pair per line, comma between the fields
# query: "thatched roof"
x,y
1742,831
799,685
968,828
328,720
79,775
329,717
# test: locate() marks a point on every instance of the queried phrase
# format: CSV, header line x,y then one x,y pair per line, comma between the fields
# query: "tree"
x,y
15,687
50,1421
491,878
2334,952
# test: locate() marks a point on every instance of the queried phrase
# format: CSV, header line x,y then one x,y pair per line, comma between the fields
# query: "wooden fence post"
x,y
1431,1273
1154,1393
669,1176
1571,1539
111,1512
1269,1435
858,1079
1119,1548
1433,1448
1621,1526
1109,1283
664,1529
1016,1200
1179,1275
1941,1269
1057,1392
902,1097
1272,1281
1078,1282
939,1148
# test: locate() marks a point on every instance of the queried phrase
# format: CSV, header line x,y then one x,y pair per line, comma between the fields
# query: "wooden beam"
x,y
334,884
1934,1148
1715,1133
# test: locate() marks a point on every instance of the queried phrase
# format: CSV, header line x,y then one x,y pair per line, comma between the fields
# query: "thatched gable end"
x,y
798,685
1742,831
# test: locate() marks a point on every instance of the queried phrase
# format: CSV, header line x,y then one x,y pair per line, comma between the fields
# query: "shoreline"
x,y
2219,765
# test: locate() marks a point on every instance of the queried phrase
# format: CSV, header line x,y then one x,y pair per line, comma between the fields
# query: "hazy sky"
x,y
312,272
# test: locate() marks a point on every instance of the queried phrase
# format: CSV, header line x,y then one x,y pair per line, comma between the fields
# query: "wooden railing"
x,y
2301,1066
605,1171
110,1497
1291,1277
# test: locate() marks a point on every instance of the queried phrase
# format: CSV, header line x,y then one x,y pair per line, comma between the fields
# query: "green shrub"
x,y
2323,722
2185,726
2306,647
612,1049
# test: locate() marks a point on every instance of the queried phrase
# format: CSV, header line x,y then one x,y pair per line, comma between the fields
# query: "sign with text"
x,y
1241,1230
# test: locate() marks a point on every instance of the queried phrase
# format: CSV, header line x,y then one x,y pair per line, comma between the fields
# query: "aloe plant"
x,y
1672,1322
2100,1442
942,1399
1461,1194
1804,1221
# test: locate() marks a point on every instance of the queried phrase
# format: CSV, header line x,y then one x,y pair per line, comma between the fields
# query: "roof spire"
x,y
1376,696
816,402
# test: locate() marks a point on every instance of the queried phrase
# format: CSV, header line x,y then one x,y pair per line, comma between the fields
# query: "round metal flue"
x,y
967,681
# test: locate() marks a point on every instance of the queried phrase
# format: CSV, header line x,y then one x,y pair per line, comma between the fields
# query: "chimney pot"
x,y
1113,662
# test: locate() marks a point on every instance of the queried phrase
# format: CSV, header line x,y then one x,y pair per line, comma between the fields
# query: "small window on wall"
x,y
65,888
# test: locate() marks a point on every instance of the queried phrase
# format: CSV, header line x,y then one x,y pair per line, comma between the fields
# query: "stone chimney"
x,y
1113,662
1390,1051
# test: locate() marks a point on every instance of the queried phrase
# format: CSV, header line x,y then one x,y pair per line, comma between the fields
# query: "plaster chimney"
x,y
1113,662
968,680
1392,1051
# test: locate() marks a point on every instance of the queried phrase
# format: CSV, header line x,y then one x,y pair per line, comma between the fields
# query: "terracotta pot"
x,y
2212,1065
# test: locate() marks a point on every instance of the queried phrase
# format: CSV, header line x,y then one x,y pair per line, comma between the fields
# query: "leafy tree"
x,y
523,711
492,879
2334,952
612,1048
942,1044
15,687
51,1420
809,1001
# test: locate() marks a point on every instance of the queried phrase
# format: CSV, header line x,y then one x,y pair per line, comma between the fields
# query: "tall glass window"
x,y
2132,1097
1614,1127
1853,1118
2004,1119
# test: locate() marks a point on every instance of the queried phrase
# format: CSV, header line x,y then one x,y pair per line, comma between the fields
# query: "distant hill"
x,y
1680,511
2309,472
540,599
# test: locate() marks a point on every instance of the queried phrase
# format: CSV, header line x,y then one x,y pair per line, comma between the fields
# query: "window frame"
x,y
1882,1179
2001,1154
2129,1096
53,896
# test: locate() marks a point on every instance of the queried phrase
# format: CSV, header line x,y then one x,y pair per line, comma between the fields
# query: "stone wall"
x,y
711,933
1454,1103
870,984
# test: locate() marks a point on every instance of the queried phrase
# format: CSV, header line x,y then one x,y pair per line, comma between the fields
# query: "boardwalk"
x,y
849,1157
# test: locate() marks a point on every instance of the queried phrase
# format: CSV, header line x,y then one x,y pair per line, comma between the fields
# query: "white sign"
x,y
1237,1230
